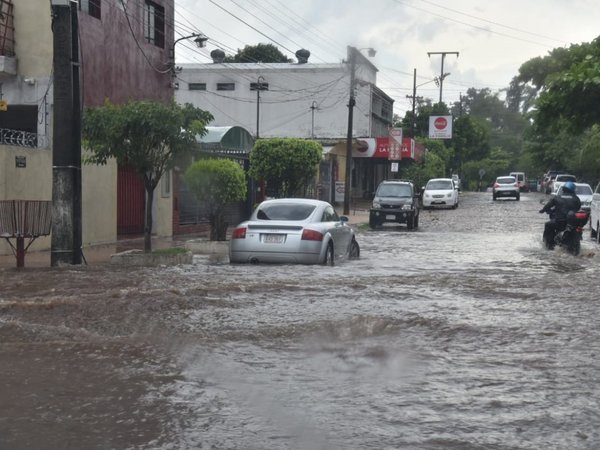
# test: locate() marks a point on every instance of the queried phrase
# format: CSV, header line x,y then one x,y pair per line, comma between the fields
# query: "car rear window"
x,y
584,189
439,185
394,190
561,178
505,180
285,211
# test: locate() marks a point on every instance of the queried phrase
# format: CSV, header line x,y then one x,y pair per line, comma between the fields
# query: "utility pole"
x,y
351,102
442,74
414,99
260,85
66,144
313,107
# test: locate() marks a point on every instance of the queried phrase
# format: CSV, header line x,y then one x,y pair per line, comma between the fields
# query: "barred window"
x,y
92,7
154,24
197,86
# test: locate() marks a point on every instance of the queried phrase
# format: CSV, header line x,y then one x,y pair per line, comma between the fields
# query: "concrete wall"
x,y
285,109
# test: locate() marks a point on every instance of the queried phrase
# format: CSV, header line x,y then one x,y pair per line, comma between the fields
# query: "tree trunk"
x,y
148,220
218,227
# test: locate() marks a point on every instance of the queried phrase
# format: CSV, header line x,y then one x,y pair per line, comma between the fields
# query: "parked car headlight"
x,y
406,207
376,205
427,195
449,195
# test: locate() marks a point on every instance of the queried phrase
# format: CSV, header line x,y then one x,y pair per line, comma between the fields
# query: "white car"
x,y
584,192
595,214
561,179
293,230
440,192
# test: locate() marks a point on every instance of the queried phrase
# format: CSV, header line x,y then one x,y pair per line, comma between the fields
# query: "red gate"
x,y
131,200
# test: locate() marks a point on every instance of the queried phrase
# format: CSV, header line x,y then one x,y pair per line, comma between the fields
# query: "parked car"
x,y
506,186
584,192
395,201
595,214
456,180
293,230
440,192
561,179
548,180
521,180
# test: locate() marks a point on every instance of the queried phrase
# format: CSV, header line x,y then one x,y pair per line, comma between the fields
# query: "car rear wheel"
x,y
593,233
329,256
410,222
518,197
354,250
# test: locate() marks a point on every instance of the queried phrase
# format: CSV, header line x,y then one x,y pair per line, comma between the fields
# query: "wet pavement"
x,y
463,334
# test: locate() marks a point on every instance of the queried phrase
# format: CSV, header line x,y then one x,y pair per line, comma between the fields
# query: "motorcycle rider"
x,y
559,208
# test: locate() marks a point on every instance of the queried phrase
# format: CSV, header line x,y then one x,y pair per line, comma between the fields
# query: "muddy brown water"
x,y
465,334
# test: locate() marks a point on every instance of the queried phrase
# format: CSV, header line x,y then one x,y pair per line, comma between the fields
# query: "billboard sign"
x,y
440,127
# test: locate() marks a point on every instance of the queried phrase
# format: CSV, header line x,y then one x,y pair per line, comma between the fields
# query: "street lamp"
x,y
200,41
352,52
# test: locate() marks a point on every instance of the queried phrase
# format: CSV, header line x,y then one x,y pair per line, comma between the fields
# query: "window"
x,y
225,86
18,126
197,86
92,7
259,86
154,24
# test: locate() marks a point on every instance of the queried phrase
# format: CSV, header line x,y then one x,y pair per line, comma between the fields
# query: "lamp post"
x,y
260,86
312,126
352,52
200,41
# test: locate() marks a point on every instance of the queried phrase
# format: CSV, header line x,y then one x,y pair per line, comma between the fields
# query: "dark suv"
x,y
395,201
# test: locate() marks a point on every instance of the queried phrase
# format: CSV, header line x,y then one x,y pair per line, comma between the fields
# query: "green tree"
x,y
496,163
145,135
470,139
264,53
567,84
217,182
286,164
432,166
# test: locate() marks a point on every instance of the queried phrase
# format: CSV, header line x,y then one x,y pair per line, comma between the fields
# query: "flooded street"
x,y
465,334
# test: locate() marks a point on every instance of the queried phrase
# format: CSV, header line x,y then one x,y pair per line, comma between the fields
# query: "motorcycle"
x,y
570,237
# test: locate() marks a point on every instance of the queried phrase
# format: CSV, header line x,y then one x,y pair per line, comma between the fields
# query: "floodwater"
x,y
465,334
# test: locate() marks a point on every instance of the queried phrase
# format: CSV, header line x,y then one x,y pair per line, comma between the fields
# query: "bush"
x,y
216,182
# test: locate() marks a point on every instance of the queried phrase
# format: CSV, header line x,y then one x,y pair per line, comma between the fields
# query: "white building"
x,y
301,100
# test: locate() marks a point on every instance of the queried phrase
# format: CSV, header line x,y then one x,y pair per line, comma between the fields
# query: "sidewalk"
x,y
101,253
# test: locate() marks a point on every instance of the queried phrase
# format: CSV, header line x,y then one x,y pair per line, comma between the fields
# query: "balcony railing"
x,y
22,138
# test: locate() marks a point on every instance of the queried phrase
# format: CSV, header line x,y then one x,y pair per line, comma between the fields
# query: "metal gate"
x,y
131,201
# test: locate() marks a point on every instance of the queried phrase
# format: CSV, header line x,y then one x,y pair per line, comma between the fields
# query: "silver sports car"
x,y
293,230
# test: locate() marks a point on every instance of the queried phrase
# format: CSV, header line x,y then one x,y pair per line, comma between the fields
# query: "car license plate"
x,y
273,238
390,217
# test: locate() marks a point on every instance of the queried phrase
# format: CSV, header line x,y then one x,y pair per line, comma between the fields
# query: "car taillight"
x,y
239,233
312,235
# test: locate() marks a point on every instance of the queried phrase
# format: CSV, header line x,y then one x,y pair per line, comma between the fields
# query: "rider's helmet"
x,y
569,186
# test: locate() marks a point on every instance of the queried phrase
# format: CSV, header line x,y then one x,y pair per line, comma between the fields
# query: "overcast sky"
x,y
493,37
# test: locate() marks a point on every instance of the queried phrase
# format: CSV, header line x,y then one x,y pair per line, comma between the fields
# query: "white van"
x,y
521,180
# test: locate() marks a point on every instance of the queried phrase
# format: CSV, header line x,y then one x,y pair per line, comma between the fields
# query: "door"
x,y
131,201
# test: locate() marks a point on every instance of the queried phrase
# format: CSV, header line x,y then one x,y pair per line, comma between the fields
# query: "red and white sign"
x,y
395,141
440,127
384,147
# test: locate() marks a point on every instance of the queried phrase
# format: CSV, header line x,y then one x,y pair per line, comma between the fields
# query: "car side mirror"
x,y
344,219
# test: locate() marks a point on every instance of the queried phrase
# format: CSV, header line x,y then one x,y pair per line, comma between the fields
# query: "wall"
x,y
285,109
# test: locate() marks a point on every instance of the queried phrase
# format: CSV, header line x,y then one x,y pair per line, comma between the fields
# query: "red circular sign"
x,y
440,123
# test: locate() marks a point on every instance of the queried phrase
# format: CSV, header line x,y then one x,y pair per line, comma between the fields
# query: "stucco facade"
x,y
112,67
